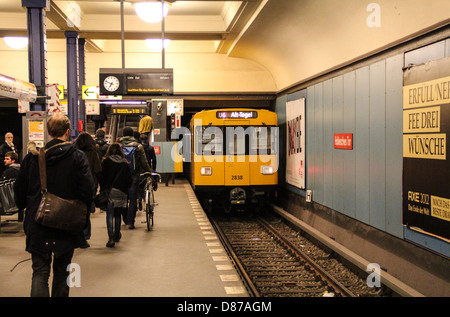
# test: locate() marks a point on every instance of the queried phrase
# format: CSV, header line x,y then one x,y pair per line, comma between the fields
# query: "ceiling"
x,y
199,26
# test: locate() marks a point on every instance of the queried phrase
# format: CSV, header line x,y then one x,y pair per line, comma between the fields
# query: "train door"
x,y
237,165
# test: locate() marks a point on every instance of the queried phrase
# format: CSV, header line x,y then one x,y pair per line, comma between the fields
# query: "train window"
x,y
209,140
239,140
264,140
236,140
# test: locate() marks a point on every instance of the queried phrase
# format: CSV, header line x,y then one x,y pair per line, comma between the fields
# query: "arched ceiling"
x,y
291,39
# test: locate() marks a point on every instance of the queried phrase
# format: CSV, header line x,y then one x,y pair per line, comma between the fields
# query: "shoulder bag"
x,y
55,212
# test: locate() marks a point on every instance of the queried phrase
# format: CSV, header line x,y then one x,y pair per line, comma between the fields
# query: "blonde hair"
x,y
58,125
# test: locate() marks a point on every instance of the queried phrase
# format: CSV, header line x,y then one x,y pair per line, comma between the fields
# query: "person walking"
x,y
69,177
146,125
149,151
116,177
86,143
102,145
135,155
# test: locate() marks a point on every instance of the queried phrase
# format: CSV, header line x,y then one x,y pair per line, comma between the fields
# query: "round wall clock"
x,y
111,83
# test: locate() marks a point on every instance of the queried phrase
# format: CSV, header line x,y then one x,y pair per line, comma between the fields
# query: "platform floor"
x,y
180,257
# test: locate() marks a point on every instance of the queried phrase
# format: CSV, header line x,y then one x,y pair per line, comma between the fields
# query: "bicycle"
x,y
150,185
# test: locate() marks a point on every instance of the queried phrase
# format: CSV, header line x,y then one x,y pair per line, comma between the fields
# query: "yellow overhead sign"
x,y
89,92
93,93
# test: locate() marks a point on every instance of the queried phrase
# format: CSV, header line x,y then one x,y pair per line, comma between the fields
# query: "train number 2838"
x,y
237,177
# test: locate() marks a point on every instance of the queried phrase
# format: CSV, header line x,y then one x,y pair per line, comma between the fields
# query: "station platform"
x,y
180,257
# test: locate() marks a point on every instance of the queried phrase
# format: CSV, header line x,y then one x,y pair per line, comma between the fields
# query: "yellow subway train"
x,y
234,157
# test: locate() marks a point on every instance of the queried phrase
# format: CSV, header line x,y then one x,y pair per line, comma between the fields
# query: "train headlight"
x,y
206,170
267,170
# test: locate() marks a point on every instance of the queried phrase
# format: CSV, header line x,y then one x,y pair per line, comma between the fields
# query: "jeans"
x,y
132,197
41,274
113,216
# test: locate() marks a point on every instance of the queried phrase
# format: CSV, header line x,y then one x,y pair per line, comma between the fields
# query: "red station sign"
x,y
343,141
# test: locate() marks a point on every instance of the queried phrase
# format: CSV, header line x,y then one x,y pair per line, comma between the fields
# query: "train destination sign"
x,y
426,165
149,83
236,114
129,109
136,81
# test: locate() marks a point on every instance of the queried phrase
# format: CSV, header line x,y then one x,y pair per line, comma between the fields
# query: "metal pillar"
x,y
72,80
82,80
37,60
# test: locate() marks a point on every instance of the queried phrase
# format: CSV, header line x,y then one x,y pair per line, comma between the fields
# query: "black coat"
x,y
5,148
69,177
115,173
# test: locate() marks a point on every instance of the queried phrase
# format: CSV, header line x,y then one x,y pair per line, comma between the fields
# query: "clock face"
x,y
111,83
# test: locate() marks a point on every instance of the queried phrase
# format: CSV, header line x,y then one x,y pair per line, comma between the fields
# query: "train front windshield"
x,y
238,140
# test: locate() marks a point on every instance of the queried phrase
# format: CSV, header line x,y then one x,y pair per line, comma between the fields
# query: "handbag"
x,y
56,212
101,200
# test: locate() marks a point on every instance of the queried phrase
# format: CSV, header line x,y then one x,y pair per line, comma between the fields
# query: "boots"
x,y
110,243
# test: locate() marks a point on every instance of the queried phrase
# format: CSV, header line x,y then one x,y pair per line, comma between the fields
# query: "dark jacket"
x,y
5,148
102,147
115,173
151,155
69,177
141,157
95,164
11,171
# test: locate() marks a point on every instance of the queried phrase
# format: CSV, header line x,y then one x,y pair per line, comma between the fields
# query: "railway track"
x,y
275,262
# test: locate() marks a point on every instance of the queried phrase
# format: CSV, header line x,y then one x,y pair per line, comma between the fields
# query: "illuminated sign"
x,y
133,109
136,81
236,114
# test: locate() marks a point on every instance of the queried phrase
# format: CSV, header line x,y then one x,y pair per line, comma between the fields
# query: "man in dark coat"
x,y
12,166
69,177
142,166
8,146
102,145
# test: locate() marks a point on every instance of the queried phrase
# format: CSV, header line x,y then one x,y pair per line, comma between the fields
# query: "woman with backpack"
x,y
116,177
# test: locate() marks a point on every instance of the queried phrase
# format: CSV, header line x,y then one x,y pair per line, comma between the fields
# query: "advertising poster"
x,y
295,143
426,134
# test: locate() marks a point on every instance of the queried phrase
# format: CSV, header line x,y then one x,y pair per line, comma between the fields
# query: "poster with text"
x,y
426,134
295,143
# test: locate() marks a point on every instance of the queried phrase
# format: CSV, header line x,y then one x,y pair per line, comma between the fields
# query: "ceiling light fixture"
x,y
155,45
16,42
151,12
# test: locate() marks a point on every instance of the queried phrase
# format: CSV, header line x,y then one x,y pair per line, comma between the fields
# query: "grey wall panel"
x,y
394,145
338,154
318,190
328,143
349,186
377,140
361,144
310,136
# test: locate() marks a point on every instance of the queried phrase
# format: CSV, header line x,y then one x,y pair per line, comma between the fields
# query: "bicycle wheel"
x,y
149,209
152,203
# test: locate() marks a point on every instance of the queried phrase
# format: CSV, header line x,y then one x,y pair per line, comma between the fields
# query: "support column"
x,y
37,54
82,81
72,80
